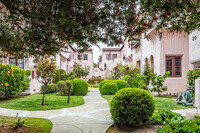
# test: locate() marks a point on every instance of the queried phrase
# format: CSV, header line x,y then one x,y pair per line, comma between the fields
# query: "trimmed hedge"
x,y
109,88
103,82
80,87
91,81
120,84
51,88
131,107
63,88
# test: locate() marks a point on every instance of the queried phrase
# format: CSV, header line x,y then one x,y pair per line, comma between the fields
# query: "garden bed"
x,y
7,125
32,102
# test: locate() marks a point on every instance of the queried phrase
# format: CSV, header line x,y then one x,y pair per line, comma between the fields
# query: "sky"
x,y
97,52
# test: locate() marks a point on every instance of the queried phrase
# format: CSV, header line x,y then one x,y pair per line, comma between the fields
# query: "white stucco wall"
x,y
194,41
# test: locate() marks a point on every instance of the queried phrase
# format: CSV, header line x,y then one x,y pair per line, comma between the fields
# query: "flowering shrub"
x,y
79,71
13,79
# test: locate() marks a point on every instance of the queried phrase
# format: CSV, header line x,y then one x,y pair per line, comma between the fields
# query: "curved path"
x,y
91,117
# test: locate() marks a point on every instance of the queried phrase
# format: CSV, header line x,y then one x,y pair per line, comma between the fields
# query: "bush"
x,y
162,115
93,86
131,107
80,87
191,76
103,82
59,75
91,81
63,88
174,123
51,88
109,88
120,84
13,79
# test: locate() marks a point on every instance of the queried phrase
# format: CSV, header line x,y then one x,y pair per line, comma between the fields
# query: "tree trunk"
x,y
69,93
158,93
43,94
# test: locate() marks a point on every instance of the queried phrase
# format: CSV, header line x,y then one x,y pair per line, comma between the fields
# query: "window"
x,y
173,65
114,56
196,66
108,56
85,57
17,62
79,57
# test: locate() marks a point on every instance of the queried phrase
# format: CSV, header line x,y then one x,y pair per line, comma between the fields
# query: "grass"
x,y
32,103
31,125
160,103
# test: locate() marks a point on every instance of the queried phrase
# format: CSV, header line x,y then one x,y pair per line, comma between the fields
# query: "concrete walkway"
x,y
92,117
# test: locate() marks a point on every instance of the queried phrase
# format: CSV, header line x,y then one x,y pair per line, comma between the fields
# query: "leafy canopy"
x,y
39,27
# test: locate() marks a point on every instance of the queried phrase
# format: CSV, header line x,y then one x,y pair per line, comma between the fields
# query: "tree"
x,y
40,27
128,70
79,71
158,81
147,73
95,65
100,58
45,71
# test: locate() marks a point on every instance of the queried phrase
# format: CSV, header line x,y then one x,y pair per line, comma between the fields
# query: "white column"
x,y
197,93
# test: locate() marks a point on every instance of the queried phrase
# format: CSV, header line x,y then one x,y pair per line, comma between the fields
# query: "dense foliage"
x,y
59,75
63,88
91,81
51,88
13,79
147,73
45,71
103,82
109,88
158,82
138,82
128,70
79,71
120,84
174,122
43,27
131,107
191,76
80,87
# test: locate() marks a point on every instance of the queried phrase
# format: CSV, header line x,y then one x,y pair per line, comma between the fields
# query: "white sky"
x,y
97,52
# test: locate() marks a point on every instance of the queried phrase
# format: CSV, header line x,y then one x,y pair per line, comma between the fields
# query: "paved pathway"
x,y
92,117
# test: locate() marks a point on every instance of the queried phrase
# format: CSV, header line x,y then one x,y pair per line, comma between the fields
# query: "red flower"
x,y
127,68
145,25
167,14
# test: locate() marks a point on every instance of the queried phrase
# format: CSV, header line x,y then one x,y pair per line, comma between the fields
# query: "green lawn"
x,y
31,125
160,103
33,102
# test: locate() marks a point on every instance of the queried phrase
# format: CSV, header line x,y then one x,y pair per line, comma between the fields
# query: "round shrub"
x,y
80,87
131,107
120,84
63,88
103,82
109,88
51,88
